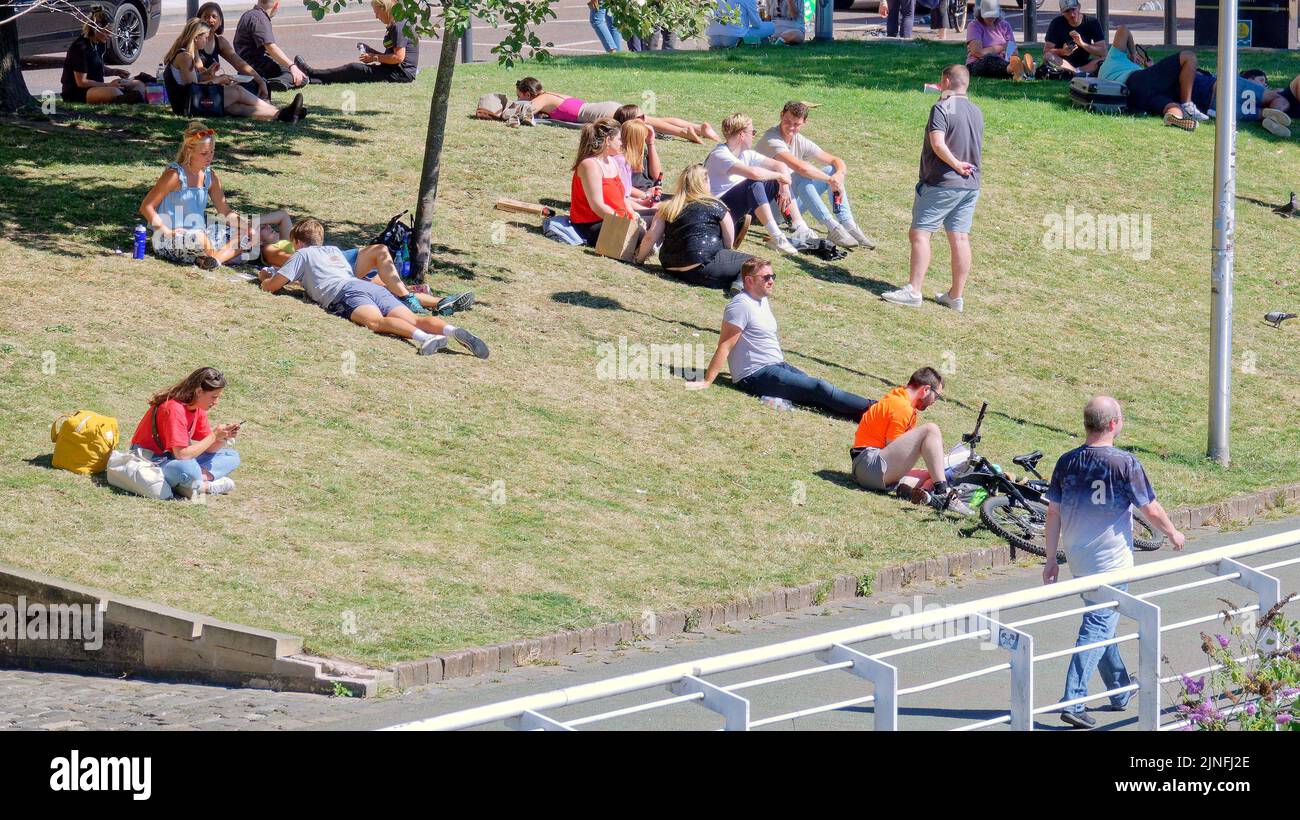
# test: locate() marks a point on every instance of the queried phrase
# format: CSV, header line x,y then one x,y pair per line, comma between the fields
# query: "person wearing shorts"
x,y
328,279
948,188
888,443
1163,89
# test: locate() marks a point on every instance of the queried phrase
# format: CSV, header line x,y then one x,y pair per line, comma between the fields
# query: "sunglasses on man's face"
x,y
768,277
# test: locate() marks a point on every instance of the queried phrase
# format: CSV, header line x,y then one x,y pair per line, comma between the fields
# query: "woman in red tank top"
x,y
597,191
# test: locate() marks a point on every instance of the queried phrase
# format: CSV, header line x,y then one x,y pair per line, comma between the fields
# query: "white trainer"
x,y
903,296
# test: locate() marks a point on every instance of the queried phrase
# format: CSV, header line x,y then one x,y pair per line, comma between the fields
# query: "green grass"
x,y
373,493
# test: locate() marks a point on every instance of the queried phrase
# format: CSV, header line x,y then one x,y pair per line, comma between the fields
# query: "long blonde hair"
x,y
195,133
692,186
193,29
595,136
635,136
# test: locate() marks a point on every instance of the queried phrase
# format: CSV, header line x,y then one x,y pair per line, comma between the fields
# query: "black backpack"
x,y
824,249
397,235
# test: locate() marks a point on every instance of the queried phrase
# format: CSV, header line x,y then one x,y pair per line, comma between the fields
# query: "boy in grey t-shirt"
x,y
948,189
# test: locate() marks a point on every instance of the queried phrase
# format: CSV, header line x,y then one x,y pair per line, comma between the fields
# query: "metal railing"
x,y
687,682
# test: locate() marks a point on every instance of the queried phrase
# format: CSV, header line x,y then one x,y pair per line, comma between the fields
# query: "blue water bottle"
x,y
404,267
140,236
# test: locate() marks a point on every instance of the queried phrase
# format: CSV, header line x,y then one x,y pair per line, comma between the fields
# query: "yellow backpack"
x,y
83,441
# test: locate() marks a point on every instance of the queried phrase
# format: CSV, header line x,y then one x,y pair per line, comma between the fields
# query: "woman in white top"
x,y
185,68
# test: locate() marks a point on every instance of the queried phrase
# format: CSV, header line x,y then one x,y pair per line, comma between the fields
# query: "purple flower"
x,y
1290,692
1282,718
1251,709
1193,687
1296,648
1223,641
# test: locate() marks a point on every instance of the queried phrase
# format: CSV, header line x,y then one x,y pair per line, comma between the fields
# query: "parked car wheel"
x,y
127,42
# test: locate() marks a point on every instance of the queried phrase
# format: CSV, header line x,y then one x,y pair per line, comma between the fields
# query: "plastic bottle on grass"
x,y
777,403
141,236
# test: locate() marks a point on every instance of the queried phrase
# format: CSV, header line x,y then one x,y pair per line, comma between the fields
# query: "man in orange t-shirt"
x,y
888,442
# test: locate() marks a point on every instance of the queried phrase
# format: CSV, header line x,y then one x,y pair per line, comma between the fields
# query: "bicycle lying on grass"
x,y
1016,509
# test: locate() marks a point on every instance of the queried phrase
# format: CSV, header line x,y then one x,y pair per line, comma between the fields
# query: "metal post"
x,y
1021,646
1267,587
529,721
884,683
1031,30
191,9
733,708
466,42
1225,190
824,24
1171,22
1103,17
1147,616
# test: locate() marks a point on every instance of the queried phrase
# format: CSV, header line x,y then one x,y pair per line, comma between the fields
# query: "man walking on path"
x,y
948,189
1093,491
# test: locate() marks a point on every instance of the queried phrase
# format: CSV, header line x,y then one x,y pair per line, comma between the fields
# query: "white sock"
x,y
421,336
800,225
448,330
773,229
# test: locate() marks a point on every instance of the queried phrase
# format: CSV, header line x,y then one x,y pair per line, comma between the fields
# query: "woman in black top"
x,y
83,68
218,47
395,64
697,234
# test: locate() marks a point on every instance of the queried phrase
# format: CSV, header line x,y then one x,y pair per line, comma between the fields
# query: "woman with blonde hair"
x,y
397,63
596,191
210,57
697,234
83,68
640,149
185,68
175,434
175,207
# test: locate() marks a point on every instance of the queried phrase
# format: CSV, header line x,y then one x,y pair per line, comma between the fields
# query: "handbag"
x,y
83,441
207,100
130,471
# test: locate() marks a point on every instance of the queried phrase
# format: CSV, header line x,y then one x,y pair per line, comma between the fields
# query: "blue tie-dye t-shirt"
x,y
1097,488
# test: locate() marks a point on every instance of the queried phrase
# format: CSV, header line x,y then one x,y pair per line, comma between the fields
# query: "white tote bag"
x,y
134,473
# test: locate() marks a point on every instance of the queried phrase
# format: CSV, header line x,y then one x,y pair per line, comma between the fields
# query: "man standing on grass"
x,y
1093,491
948,189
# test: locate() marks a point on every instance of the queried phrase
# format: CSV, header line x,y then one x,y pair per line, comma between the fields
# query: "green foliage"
x,y
864,585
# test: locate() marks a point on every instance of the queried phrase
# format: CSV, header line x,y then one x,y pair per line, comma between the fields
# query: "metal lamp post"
x,y
1225,188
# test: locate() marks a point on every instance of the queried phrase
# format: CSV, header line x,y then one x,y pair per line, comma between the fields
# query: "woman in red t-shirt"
x,y
597,191
176,435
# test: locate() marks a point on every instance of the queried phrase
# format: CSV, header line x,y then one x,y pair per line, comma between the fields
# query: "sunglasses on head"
x,y
198,136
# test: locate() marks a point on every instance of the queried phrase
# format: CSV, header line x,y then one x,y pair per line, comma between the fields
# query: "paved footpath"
x,y
35,701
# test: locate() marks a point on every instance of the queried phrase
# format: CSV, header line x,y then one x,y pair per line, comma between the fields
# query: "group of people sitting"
x,y
339,281
738,21
194,60
698,228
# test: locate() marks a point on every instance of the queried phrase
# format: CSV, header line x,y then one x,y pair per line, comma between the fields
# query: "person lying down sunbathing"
x,y
572,109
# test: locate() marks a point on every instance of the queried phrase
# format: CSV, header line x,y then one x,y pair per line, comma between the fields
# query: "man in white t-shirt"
x,y
752,350
816,173
749,183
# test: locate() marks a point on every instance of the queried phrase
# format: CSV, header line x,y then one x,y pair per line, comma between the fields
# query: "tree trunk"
x,y
423,235
14,95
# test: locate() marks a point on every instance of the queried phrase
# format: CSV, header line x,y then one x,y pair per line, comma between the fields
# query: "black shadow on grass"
x,y
837,275
43,461
840,479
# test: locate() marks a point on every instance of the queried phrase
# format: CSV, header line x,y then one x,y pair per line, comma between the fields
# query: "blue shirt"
x,y
1096,488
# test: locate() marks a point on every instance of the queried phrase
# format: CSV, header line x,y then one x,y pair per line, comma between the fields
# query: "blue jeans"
x,y
1098,625
606,29
809,192
188,472
785,381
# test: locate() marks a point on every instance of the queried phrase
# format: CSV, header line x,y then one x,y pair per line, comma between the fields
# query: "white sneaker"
x,y
737,286
840,236
219,486
1276,115
856,232
903,296
470,342
433,344
1274,127
1192,111
780,243
946,301
803,236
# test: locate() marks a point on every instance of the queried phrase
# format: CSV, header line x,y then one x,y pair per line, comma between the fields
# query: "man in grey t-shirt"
x,y
749,345
948,189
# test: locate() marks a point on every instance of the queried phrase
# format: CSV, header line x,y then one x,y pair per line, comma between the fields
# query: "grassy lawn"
x,y
374,490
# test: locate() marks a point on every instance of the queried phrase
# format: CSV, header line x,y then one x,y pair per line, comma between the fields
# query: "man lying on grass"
x,y
888,444
750,347
368,262
328,279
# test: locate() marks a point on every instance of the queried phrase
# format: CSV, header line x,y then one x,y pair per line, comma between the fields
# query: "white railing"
x,y
686,681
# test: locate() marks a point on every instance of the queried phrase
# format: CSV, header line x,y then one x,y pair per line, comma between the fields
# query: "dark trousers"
x,y
589,231
901,16
747,195
720,271
1153,89
785,381
277,78
990,65
361,73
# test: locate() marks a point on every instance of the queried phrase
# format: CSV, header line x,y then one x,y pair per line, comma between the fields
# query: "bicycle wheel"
x,y
1024,526
1145,536
957,14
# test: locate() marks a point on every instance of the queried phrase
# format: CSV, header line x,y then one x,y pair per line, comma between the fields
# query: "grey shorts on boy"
x,y
360,293
951,208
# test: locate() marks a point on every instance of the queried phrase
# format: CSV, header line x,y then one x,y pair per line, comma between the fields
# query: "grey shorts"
x,y
590,112
869,469
953,208
360,293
